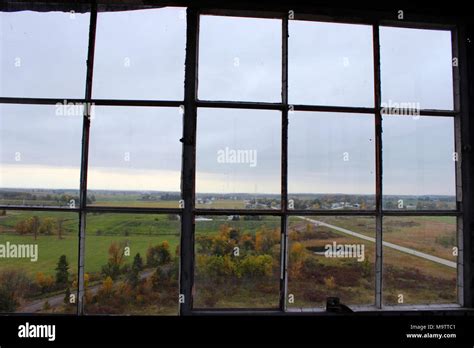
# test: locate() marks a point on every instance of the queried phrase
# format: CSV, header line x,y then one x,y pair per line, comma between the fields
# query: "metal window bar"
x,y
85,160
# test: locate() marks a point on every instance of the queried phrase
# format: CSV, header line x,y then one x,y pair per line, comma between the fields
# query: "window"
x,y
135,157
238,159
140,54
330,64
132,264
331,161
271,178
52,61
419,163
331,256
420,260
44,140
244,64
38,270
423,78
237,262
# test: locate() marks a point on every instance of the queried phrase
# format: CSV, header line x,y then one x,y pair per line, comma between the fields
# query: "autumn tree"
x,y
46,226
158,255
59,227
21,227
33,225
116,254
45,282
106,288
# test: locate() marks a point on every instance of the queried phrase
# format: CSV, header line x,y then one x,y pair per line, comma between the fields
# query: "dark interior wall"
x,y
441,10
468,154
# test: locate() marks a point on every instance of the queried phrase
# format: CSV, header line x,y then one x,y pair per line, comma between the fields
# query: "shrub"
x,y
106,288
330,282
14,284
158,255
111,270
45,282
256,266
217,267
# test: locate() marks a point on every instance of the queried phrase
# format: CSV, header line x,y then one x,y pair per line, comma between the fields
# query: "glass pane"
x,y
45,141
135,157
331,256
237,262
416,68
238,159
330,64
140,54
132,264
331,161
419,163
38,267
43,54
420,255
240,59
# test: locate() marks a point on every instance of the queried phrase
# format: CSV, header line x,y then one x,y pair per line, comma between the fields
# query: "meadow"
x,y
312,277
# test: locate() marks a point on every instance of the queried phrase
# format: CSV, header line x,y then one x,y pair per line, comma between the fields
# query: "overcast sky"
x,y
140,55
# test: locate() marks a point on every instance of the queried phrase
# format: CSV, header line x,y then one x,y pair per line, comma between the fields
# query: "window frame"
x,y
191,103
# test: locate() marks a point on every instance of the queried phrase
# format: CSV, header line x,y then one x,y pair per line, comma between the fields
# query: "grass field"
x,y
421,281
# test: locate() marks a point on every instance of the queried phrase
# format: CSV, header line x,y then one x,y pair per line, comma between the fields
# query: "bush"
x,y
111,270
265,240
217,267
45,282
330,282
158,255
256,266
14,284
106,288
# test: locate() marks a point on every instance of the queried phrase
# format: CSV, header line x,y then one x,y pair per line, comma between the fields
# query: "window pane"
x,y
239,59
140,54
331,161
39,61
419,260
135,157
38,267
330,64
238,159
132,264
44,141
418,160
416,67
331,256
237,262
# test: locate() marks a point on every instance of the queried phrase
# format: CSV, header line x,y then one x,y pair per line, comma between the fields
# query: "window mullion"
x,y
189,162
378,168
84,159
284,167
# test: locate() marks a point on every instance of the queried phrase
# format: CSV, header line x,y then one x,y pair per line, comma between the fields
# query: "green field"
x,y
312,277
